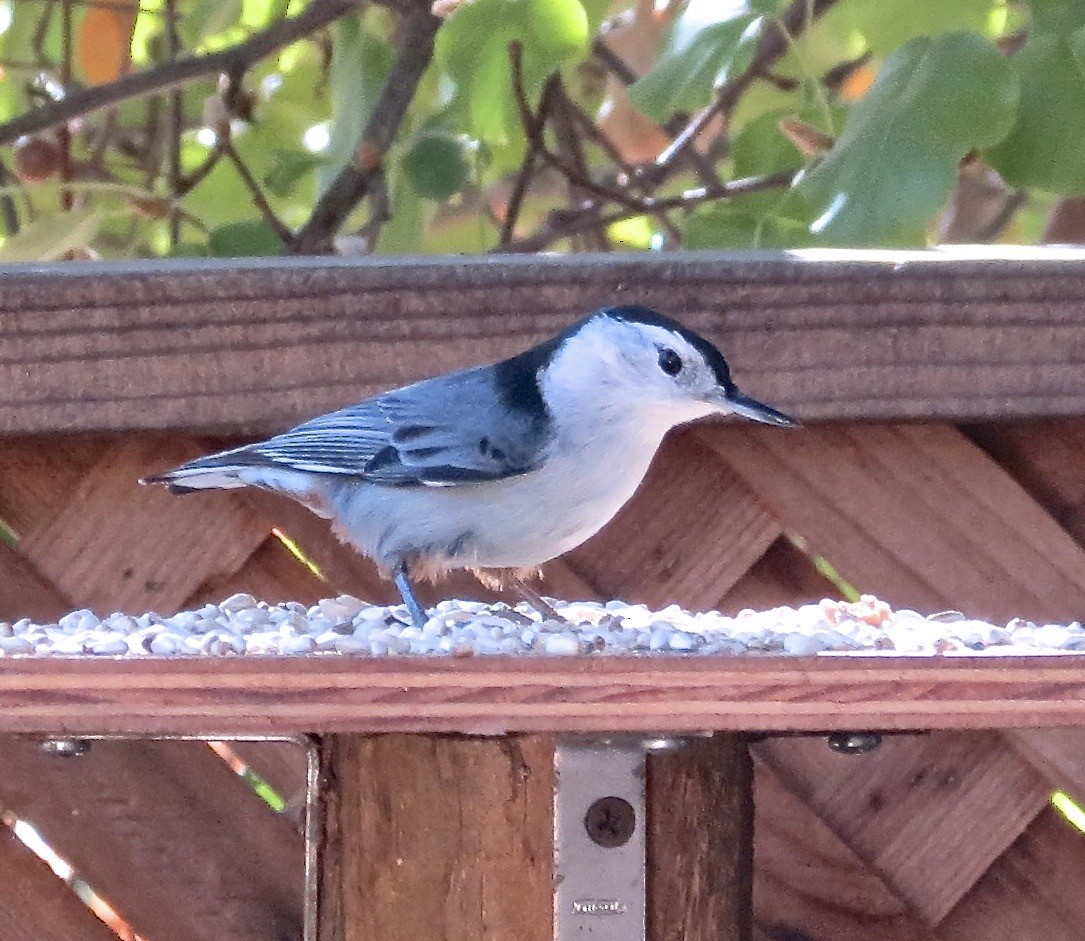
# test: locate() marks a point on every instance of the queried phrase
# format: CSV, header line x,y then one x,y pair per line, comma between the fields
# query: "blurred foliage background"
x,y
137,128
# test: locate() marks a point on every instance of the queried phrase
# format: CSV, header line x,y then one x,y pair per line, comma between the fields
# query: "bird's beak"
x,y
731,400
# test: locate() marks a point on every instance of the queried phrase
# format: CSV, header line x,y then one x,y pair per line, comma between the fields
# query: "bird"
x,y
497,468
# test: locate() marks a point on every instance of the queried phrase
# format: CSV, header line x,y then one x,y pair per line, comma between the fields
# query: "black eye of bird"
x,y
669,361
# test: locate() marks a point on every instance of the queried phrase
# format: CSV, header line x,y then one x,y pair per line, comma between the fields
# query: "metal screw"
x,y
854,743
66,747
662,743
610,821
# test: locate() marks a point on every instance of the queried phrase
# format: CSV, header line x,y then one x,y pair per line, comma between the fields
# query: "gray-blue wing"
x,y
442,432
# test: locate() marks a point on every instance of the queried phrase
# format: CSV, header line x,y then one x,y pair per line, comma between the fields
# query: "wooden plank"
x,y
25,594
693,529
232,344
431,837
115,545
177,843
494,695
270,573
917,514
809,884
919,810
783,576
1032,893
35,905
700,841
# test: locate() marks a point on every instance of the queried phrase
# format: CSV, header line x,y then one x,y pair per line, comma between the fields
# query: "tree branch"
x,y
236,59
417,32
259,200
774,42
568,224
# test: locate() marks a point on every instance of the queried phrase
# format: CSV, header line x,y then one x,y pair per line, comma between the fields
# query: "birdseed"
x,y
347,626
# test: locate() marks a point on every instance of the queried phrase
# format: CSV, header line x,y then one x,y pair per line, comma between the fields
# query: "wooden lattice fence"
x,y
969,493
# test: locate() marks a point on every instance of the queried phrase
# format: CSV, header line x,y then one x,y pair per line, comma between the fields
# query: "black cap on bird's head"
x,y
725,394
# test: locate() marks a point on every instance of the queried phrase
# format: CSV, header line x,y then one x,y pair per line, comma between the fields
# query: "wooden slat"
x,y
430,837
918,810
246,345
916,514
25,594
782,576
291,695
691,532
119,546
700,841
809,884
175,841
1033,893
35,905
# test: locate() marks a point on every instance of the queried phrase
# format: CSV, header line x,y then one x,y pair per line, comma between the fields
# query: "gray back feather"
x,y
450,430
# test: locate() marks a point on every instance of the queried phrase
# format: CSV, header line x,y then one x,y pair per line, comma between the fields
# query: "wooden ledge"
x,y
244,346
495,695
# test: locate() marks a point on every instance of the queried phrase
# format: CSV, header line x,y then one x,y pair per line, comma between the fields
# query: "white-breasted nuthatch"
x,y
497,467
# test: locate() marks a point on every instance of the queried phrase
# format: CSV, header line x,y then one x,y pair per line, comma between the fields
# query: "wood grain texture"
x,y
808,884
35,905
916,514
783,576
118,546
700,841
438,837
1032,893
166,833
250,345
495,695
919,811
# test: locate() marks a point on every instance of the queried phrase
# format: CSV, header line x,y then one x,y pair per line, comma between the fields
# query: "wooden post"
x,y
700,841
433,836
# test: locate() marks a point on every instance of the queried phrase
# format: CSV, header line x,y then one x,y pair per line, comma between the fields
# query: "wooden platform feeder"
x,y
942,467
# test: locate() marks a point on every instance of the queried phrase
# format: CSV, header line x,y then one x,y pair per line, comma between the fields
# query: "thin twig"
x,y
417,31
533,128
568,224
64,137
259,200
174,121
613,62
635,178
81,102
774,43
187,184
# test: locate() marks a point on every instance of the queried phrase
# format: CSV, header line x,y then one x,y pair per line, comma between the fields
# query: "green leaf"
x,y
558,29
289,168
1044,149
1056,16
636,233
896,161
360,64
243,239
888,24
702,51
49,238
207,18
436,166
473,49
726,226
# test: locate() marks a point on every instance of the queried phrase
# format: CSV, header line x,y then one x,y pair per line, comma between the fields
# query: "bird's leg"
x,y
418,613
537,601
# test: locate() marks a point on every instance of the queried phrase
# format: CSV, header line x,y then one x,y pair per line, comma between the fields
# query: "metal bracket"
x,y
599,840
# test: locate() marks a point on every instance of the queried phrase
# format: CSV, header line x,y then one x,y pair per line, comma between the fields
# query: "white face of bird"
x,y
649,372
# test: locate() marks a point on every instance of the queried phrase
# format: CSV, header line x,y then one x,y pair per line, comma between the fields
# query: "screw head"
x,y
66,747
854,743
610,822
